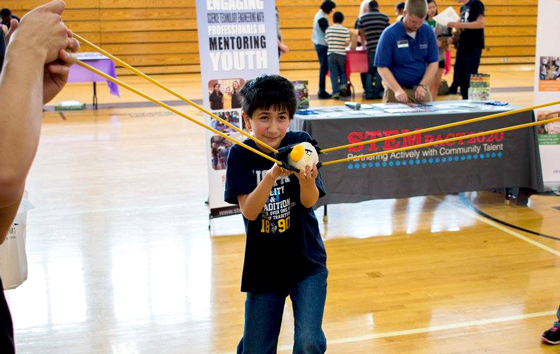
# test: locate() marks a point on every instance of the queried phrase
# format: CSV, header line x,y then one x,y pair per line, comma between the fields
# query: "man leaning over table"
x,y
407,56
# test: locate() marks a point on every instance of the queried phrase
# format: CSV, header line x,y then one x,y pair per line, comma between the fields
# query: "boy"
x,y
284,252
338,37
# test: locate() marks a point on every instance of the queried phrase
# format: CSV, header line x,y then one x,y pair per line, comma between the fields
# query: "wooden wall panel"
x,y
160,36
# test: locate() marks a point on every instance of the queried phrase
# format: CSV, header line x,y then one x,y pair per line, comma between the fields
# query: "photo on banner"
x,y
237,42
233,117
219,150
549,74
302,93
547,89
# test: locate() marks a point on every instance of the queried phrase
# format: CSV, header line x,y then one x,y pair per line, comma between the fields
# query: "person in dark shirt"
x,y
235,97
216,98
399,9
371,25
470,45
7,17
3,33
284,252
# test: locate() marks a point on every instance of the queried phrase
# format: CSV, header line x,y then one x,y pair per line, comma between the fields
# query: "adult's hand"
x,y
420,93
454,24
56,73
401,96
42,32
283,48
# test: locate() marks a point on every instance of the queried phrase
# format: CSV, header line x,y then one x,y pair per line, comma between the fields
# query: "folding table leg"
x,y
94,95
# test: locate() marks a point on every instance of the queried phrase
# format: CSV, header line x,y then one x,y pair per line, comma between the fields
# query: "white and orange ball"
x,y
303,155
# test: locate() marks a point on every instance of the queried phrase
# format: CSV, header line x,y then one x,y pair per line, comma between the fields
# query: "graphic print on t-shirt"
x,y
275,218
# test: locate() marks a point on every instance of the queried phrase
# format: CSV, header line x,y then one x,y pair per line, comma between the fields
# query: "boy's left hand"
x,y
308,175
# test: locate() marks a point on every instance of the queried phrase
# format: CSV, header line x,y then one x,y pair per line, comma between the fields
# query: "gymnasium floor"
x,y
121,259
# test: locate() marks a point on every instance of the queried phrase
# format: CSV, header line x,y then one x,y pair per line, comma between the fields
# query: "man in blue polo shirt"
x,y
407,56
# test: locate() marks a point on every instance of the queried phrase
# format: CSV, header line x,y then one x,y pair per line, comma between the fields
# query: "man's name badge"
x,y
402,44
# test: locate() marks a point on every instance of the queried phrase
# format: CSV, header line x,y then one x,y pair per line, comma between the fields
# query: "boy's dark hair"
x,y
327,6
5,12
373,5
338,17
400,6
268,91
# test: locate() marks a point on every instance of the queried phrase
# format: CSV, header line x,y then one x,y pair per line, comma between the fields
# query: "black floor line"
x,y
483,214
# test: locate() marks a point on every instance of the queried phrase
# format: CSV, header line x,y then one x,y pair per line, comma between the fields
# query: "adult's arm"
x,y
323,24
390,80
427,79
478,24
363,37
41,38
429,74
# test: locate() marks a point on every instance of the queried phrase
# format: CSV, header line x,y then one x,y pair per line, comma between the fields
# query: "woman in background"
x,y
443,37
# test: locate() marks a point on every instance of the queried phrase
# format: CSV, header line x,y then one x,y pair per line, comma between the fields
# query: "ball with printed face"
x,y
303,155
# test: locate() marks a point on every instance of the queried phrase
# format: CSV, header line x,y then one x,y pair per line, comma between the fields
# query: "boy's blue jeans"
x,y
263,317
337,67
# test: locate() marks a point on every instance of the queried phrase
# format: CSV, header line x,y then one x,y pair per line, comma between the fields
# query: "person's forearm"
x,y
389,79
252,204
429,74
309,194
21,85
478,24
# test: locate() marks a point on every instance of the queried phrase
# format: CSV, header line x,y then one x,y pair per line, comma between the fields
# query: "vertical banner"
x,y
237,42
547,89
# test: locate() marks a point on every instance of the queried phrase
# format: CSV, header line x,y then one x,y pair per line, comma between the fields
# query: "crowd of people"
x,y
406,59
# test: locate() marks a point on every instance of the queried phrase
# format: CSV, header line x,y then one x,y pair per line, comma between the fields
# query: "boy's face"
x,y
268,125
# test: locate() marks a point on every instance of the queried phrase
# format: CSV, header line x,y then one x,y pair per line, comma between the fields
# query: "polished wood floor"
x,y
121,259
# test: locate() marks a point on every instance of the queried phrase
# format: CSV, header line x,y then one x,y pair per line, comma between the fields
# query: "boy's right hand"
x,y
278,171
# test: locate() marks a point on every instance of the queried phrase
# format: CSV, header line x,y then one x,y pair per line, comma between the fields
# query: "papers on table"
x,y
384,109
446,16
406,108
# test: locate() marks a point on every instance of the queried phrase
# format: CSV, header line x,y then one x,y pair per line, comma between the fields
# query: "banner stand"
x,y
547,89
237,42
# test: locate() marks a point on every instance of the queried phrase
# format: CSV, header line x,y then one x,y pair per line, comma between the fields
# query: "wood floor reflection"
x,y
121,259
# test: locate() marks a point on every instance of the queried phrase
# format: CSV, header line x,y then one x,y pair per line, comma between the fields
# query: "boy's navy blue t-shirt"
x,y
283,244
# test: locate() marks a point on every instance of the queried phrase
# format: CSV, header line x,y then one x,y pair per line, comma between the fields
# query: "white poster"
x,y
547,89
237,42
